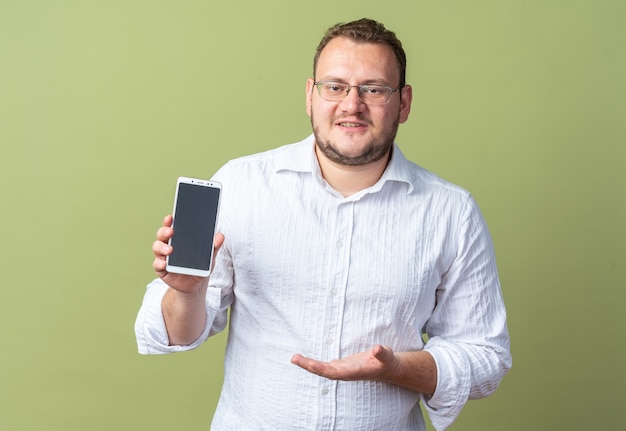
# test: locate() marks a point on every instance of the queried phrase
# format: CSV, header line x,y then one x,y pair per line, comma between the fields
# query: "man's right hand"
x,y
182,283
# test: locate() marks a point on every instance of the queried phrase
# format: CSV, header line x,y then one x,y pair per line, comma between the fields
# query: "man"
x,y
336,255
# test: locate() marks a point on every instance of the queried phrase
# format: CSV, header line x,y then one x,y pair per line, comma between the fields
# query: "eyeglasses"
x,y
370,94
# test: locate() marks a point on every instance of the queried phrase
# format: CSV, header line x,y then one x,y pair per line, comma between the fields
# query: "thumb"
x,y
382,353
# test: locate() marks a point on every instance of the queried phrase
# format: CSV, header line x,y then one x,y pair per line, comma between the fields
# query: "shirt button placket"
x,y
335,299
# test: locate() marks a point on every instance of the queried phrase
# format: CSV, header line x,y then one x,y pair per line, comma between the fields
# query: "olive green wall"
x,y
103,104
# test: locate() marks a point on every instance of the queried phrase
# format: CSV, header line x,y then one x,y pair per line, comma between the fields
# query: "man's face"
x,y
349,132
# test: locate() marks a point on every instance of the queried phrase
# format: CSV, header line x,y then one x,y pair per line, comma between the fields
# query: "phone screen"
x,y
195,215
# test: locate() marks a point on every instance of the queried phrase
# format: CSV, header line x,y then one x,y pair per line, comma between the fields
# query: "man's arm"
x,y
183,305
412,370
184,315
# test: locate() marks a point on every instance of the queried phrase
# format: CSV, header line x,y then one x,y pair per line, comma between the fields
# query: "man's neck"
x,y
348,180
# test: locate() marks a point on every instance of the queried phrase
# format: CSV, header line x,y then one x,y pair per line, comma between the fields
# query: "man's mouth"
x,y
347,124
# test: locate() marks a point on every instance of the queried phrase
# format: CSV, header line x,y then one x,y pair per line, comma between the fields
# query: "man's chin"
x,y
351,157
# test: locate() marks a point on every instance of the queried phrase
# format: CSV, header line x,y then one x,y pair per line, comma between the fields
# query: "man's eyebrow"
x,y
376,82
372,81
332,79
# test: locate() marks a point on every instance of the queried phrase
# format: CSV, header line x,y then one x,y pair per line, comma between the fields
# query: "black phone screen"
x,y
195,216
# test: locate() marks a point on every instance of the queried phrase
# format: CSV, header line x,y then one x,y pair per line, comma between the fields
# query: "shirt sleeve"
x,y
467,331
150,330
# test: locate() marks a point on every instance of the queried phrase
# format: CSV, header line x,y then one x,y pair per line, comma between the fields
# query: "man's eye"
x,y
334,88
374,91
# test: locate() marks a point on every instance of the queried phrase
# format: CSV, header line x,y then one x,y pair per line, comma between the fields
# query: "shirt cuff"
x,y
150,329
453,384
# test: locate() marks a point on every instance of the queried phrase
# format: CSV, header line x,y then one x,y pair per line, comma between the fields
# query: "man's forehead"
x,y
344,42
345,53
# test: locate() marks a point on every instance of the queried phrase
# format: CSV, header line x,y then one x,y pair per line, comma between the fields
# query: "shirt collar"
x,y
398,169
300,157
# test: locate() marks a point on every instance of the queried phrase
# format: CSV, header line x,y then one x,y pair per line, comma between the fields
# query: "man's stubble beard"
x,y
374,151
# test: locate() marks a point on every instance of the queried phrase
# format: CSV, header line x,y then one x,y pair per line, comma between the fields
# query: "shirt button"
x,y
329,341
325,391
340,243
334,291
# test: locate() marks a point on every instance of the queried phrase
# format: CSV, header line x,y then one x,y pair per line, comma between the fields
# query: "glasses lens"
x,y
369,94
375,94
332,90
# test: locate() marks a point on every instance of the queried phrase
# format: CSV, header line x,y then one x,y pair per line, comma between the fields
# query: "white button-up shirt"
x,y
306,270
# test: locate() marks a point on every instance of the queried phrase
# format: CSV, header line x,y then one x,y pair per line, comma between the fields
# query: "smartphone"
x,y
196,204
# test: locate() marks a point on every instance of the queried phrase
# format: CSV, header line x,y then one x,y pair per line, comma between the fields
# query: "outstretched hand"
x,y
375,364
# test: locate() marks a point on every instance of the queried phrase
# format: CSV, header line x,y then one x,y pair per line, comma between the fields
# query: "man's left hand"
x,y
372,365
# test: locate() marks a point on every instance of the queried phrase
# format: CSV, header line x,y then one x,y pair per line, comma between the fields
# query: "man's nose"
x,y
353,100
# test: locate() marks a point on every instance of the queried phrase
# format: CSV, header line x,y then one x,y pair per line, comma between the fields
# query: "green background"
x,y
103,104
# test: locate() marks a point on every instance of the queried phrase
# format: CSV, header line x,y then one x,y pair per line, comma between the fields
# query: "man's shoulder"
x,y
433,181
424,181
262,165
285,154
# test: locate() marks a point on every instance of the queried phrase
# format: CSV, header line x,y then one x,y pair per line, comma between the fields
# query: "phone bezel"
x,y
200,183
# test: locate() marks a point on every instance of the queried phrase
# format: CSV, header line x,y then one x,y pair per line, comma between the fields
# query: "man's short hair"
x,y
365,30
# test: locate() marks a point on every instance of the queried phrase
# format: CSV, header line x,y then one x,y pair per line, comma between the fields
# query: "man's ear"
x,y
309,95
406,97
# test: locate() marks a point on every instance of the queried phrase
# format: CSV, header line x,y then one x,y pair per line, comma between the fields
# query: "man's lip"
x,y
349,123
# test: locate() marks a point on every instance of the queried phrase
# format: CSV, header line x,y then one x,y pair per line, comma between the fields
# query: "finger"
x,y
304,362
319,368
159,265
167,220
164,233
218,241
297,359
383,354
379,352
161,249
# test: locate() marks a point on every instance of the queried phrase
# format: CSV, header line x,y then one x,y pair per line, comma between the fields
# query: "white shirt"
x,y
306,270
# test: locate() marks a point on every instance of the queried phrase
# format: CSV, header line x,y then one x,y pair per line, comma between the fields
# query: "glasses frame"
x,y
360,88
